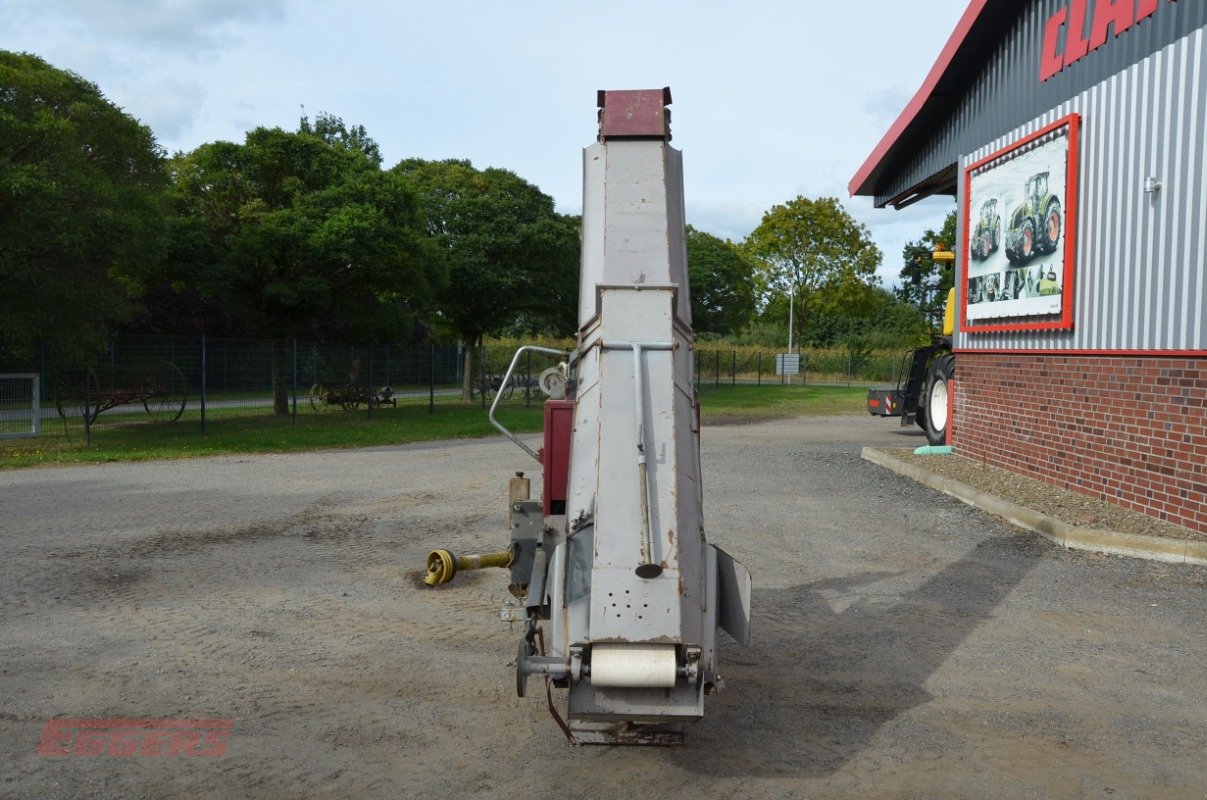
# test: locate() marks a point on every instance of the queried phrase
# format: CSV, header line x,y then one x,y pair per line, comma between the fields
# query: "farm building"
x,y
1072,134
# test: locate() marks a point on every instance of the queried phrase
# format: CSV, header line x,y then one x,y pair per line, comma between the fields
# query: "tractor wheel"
x,y
1026,242
985,245
1051,228
936,397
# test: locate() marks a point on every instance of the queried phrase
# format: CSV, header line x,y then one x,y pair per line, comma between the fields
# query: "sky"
x,y
771,98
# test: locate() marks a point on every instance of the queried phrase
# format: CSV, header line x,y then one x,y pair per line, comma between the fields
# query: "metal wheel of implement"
x,y
319,393
69,392
167,394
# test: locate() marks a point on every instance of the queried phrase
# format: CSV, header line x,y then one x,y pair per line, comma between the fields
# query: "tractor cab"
x,y
1037,188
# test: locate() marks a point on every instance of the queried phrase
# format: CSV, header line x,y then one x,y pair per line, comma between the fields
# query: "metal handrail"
x,y
507,379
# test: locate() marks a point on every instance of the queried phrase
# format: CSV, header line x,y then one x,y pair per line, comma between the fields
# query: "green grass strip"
x,y
255,430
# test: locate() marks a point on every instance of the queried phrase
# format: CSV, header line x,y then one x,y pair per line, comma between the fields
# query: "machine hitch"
x,y
442,565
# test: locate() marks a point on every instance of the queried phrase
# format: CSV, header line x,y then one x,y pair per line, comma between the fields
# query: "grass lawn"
x,y
255,431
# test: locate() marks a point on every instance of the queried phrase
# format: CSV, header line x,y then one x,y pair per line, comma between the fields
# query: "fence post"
x,y
717,360
294,421
759,356
87,410
203,383
369,383
42,385
733,371
431,386
528,381
482,359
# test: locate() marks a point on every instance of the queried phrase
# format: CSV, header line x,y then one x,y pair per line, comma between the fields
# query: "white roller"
x,y
633,665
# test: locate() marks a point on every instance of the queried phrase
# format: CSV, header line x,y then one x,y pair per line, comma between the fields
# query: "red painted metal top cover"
x,y
635,114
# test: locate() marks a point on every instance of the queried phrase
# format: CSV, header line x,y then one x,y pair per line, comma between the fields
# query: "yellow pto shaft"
x,y
442,565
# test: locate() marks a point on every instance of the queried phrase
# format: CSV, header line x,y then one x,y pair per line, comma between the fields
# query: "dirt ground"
x,y
904,646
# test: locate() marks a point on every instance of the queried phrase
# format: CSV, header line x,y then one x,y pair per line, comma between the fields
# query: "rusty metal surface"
x,y
635,113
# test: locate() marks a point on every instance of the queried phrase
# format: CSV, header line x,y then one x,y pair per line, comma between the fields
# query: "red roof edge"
x,y
975,7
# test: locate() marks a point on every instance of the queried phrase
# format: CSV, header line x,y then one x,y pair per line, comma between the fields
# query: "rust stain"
x,y
670,537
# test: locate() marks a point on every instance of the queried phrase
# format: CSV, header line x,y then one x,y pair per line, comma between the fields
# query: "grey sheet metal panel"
x,y
1141,264
994,93
633,290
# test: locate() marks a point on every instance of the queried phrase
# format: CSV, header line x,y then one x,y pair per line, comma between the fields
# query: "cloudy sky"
x,y
772,98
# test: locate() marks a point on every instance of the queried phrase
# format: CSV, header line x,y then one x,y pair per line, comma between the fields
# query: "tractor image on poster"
x,y
1034,225
987,237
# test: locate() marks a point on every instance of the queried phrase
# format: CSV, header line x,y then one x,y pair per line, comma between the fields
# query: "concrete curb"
x,y
1071,537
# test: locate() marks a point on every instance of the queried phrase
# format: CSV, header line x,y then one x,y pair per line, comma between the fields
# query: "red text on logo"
x,y
1114,16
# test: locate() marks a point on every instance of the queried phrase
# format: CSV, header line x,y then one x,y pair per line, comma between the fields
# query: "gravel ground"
x,y
1063,504
905,645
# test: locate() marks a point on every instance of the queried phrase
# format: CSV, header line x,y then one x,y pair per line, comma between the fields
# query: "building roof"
x,y
940,91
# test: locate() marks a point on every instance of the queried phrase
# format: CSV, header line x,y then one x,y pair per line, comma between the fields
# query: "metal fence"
x,y
191,383
20,406
729,366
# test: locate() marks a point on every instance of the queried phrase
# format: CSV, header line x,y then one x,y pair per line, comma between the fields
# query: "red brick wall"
x,y
1129,430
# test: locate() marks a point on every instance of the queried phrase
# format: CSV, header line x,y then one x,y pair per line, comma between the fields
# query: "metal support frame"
x,y
646,568
528,348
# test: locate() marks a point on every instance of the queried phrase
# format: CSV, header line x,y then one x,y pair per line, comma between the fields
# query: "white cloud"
x,y
182,26
772,98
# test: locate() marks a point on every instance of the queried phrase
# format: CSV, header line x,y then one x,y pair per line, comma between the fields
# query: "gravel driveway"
x,y
905,645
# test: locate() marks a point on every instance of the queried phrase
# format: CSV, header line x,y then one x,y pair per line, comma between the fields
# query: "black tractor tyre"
x,y
1050,234
1026,241
936,395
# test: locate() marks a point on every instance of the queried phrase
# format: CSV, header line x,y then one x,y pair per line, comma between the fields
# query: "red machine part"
x,y
635,114
555,455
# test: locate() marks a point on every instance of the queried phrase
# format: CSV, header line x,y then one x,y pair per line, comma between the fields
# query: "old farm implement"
x,y
157,390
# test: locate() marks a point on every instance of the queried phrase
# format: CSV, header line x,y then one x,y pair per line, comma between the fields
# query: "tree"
x,y
722,290
805,247
552,309
332,130
502,241
309,237
925,282
81,209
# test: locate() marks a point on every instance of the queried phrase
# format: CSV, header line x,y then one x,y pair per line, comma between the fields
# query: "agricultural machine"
x,y
1035,224
987,237
619,593
922,395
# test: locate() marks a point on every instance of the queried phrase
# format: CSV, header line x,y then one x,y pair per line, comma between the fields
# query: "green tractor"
x,y
1034,225
988,234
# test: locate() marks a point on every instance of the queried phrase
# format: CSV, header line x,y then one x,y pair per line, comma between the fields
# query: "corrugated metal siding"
x,y
1004,91
1141,268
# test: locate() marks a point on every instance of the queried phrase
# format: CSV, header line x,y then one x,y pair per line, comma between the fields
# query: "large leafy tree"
x,y
301,234
509,253
807,247
81,209
722,289
924,281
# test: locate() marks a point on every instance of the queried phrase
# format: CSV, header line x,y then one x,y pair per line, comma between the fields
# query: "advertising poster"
x,y
1019,217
